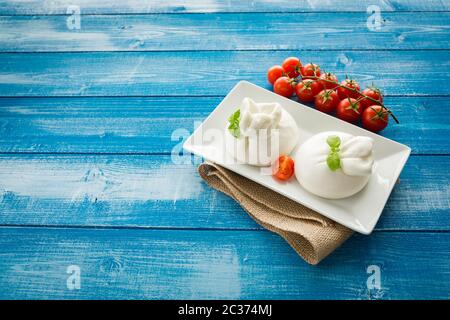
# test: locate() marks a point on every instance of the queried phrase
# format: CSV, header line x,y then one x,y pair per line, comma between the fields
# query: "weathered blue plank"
x,y
145,125
168,264
208,73
152,191
133,193
225,32
189,6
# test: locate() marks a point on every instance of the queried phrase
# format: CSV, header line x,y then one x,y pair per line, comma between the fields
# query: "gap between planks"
x,y
222,50
260,229
153,153
209,13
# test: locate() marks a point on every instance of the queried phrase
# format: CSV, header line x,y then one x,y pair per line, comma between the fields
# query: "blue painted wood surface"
x,y
87,176
200,73
175,264
272,31
151,191
35,7
146,124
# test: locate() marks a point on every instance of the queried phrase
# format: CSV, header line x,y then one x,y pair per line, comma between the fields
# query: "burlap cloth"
x,y
310,234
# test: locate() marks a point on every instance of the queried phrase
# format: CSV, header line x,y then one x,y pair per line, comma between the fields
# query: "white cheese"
x,y
356,161
267,131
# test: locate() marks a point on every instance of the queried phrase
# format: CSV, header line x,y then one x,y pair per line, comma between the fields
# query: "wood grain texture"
x,y
141,226
311,31
163,264
188,6
153,192
158,124
199,73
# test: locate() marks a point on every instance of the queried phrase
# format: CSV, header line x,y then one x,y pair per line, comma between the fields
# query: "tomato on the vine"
x,y
346,93
274,73
349,110
292,66
284,168
307,89
375,118
373,93
327,79
345,98
284,86
310,70
327,101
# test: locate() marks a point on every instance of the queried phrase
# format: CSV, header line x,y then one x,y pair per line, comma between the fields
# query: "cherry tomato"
x,y
307,89
345,93
284,86
274,73
373,93
349,110
325,79
284,168
310,70
292,67
375,118
327,101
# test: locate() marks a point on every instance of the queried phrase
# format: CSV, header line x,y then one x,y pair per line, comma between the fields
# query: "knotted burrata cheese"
x,y
265,131
334,165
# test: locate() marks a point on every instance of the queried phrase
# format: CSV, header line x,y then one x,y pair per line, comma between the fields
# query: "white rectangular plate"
x,y
359,212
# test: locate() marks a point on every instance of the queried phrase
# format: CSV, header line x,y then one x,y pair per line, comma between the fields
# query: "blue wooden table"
x,y
92,107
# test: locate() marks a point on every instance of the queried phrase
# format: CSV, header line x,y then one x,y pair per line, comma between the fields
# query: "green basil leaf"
x,y
234,123
334,142
334,161
235,116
